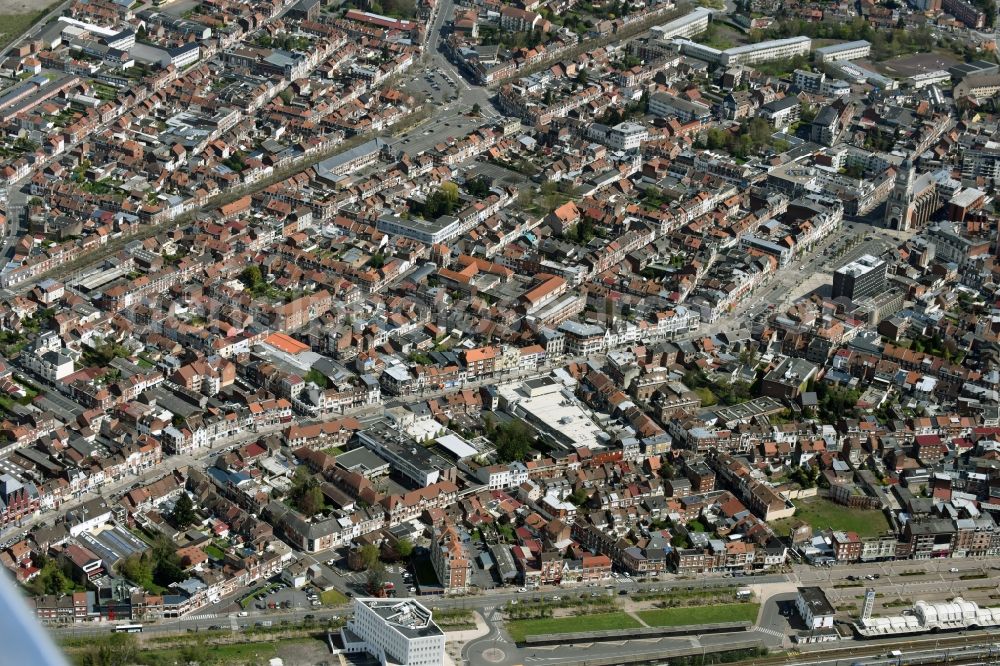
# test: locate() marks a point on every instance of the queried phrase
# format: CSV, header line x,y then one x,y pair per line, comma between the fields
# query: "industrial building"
x,y
925,616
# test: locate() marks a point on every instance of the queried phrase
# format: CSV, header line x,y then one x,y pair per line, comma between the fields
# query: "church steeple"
x,y
899,207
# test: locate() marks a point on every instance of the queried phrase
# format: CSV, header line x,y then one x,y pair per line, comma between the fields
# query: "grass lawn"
x,y
822,514
214,551
259,652
333,450
333,598
557,625
677,617
142,536
455,619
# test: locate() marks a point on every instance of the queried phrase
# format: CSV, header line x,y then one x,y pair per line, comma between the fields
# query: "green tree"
x,y
305,493
196,653
166,563
404,548
444,201
513,440
252,277
137,569
375,579
311,501
369,555
476,109
52,579
183,513
478,187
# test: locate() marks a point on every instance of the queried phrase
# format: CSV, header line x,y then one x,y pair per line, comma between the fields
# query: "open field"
x,y
557,625
822,514
16,16
678,617
292,651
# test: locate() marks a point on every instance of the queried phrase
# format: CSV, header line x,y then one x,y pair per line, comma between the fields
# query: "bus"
x,y
128,629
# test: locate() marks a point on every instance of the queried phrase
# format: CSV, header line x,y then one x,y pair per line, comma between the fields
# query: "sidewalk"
x,y
455,640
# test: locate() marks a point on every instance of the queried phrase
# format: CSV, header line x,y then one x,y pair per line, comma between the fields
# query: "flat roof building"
x,y
689,25
394,631
846,51
406,458
814,608
775,49
430,232
861,278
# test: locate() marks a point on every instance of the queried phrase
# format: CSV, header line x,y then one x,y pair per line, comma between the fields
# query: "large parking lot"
x,y
435,85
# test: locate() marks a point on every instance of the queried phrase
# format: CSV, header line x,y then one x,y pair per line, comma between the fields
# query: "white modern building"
x,y
627,136
750,54
845,51
814,608
430,232
394,631
775,49
664,104
689,25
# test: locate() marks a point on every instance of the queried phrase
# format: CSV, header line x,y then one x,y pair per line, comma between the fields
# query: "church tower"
x,y
899,207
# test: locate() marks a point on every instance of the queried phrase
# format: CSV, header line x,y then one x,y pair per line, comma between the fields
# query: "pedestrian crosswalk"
x,y
770,632
204,616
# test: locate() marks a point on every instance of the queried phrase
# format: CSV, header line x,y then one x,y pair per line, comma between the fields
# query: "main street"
x,y
891,581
